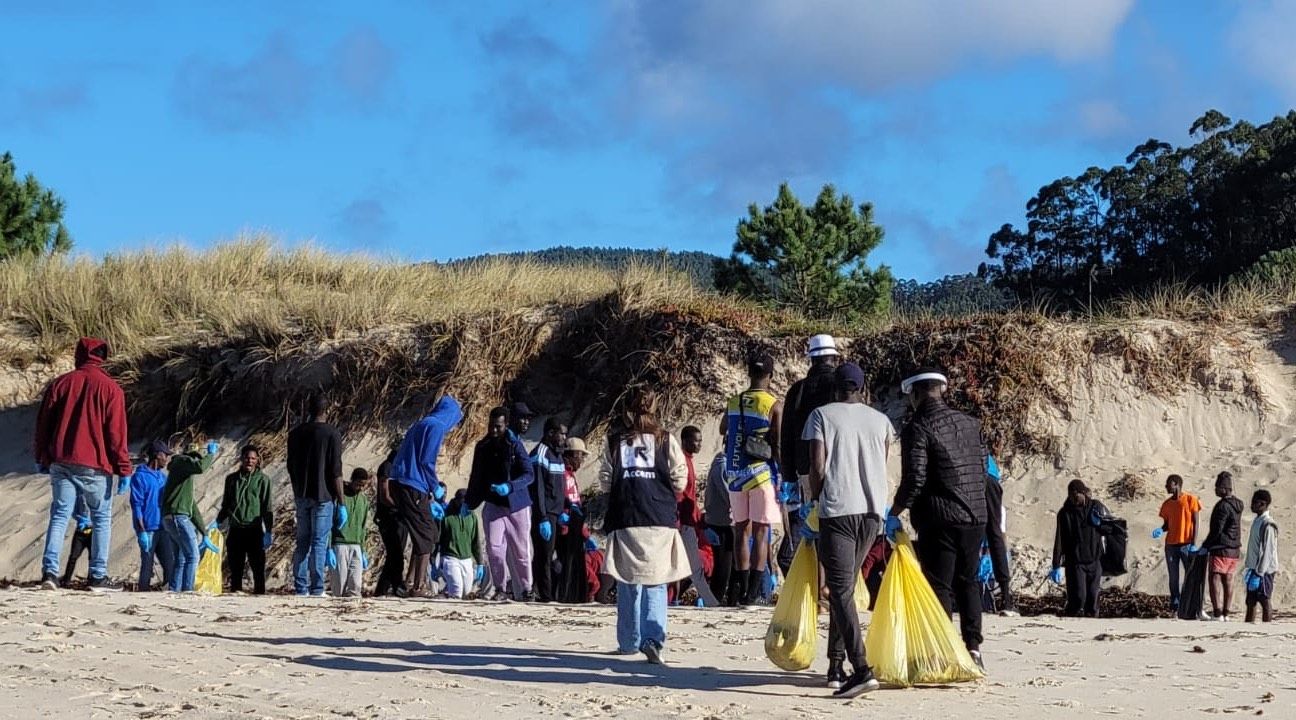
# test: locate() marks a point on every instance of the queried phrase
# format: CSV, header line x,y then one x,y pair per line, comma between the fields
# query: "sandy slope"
x,y
156,656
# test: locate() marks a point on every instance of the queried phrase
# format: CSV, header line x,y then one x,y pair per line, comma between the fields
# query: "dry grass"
x,y
255,289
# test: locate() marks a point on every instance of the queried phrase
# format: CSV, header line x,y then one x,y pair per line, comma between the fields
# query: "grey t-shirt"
x,y
715,495
856,438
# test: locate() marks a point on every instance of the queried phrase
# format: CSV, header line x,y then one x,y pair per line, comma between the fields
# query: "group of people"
x,y
816,457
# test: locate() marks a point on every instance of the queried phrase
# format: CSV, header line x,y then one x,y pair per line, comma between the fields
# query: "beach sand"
x,y
129,655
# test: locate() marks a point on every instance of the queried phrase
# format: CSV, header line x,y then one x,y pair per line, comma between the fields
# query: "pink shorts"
x,y
758,505
1223,565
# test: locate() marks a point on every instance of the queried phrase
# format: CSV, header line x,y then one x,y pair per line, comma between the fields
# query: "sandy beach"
x,y
158,656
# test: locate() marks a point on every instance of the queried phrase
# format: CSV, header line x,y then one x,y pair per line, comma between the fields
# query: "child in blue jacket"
x,y
146,514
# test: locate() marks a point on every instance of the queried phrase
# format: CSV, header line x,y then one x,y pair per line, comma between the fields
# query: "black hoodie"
x,y
1078,540
1225,537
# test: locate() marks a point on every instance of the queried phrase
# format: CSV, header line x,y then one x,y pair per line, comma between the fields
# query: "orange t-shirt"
x,y
1178,516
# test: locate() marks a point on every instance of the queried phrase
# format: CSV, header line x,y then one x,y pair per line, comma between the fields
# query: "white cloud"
x,y
1102,118
1261,35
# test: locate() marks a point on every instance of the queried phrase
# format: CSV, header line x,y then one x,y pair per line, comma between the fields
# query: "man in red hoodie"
x,y
81,442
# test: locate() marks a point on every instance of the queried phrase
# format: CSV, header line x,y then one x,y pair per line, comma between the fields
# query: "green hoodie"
x,y
247,500
177,494
357,505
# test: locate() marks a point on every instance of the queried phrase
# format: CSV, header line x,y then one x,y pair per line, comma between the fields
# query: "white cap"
x,y
821,345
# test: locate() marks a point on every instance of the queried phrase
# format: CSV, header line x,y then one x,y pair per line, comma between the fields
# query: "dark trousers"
x,y
997,543
787,548
843,544
393,534
951,556
722,568
246,545
80,544
542,558
1082,583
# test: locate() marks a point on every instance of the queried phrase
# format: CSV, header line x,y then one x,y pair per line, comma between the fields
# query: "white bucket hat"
x,y
821,345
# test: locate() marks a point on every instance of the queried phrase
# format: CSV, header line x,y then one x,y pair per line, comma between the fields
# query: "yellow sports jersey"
x,y
748,416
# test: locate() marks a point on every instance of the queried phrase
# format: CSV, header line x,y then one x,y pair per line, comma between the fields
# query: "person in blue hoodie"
x,y
414,487
500,478
146,514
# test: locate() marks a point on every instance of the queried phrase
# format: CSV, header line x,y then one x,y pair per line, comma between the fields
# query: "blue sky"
x,y
436,129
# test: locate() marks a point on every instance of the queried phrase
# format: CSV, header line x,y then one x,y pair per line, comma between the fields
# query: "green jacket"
x,y
177,494
459,537
357,506
247,500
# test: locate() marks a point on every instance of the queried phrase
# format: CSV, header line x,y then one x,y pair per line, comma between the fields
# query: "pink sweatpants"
x,y
508,546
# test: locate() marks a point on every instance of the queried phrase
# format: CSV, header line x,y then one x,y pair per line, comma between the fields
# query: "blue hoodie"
x,y
146,498
415,463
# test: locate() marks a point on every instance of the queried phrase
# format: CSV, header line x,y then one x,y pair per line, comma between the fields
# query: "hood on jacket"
x,y
89,351
448,411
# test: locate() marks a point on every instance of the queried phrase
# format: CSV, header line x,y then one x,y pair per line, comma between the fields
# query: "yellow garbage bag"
x,y
793,633
911,640
861,596
208,579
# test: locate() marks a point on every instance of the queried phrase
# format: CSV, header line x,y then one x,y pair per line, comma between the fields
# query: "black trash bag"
x,y
1115,539
1192,597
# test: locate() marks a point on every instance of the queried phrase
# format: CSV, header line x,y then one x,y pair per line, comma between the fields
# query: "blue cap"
x,y
850,375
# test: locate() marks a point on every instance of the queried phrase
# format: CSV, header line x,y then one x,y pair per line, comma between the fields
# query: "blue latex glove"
x,y
464,510
564,518
213,447
712,537
590,545
208,546
1158,533
576,511
986,571
1056,576
771,583
807,533
788,492
803,512
892,525
438,511
267,540
330,560
501,489
546,530
83,522
341,518
479,573
1252,580
1191,550
123,484
364,561
145,539
438,491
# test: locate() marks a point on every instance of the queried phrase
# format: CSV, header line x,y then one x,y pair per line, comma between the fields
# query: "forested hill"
x,y
696,264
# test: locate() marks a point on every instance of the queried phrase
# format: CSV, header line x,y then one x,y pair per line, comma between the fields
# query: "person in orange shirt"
x,y
1179,528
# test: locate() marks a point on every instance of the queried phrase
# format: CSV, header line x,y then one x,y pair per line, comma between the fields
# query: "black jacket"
x,y
550,487
942,469
1225,537
804,397
1078,539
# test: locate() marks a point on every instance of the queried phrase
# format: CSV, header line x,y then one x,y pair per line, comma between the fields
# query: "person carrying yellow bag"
x,y
911,640
848,443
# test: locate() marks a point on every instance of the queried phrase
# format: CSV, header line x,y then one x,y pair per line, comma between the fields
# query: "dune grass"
x,y
254,288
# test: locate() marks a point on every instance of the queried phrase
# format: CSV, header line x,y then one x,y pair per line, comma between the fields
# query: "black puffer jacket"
x,y
1225,538
942,461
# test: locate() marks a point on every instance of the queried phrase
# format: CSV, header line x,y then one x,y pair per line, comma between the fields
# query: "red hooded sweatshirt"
x,y
82,418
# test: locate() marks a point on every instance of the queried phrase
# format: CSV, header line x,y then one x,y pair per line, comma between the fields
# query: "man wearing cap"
x,y
943,485
751,428
146,514
849,443
817,389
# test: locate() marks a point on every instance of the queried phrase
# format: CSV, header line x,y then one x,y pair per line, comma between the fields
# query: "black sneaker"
x,y
528,597
862,681
104,584
836,675
49,581
654,652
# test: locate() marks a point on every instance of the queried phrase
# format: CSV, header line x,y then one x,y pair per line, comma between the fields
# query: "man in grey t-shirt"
x,y
848,454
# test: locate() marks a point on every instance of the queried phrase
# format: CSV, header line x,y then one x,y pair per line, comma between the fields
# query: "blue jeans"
x,y
184,538
314,524
69,483
641,616
164,552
